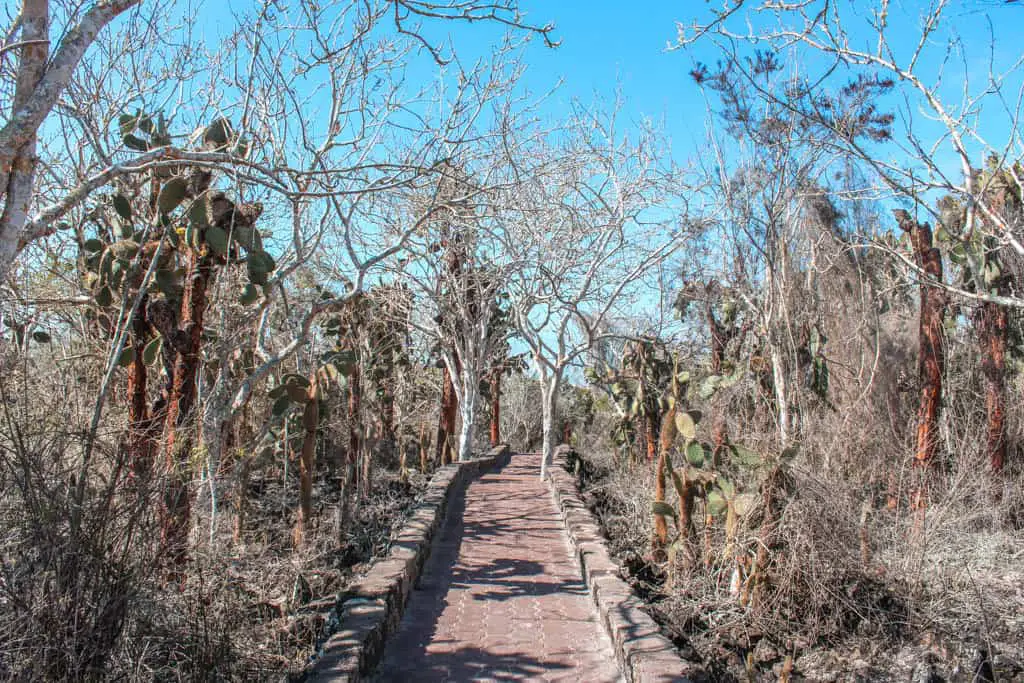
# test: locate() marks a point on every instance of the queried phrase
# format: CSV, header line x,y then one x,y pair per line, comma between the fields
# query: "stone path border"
x,y
644,654
501,597
371,608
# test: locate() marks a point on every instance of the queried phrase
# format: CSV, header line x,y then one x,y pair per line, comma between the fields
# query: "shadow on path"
x,y
500,597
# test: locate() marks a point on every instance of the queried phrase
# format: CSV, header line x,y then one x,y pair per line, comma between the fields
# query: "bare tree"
x,y
852,64
592,222
457,267
848,53
338,31
311,129
40,81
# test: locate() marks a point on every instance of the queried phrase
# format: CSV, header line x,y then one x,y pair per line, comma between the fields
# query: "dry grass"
x,y
76,607
856,589
251,613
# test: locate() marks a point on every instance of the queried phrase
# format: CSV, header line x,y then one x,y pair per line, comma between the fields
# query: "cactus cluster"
x,y
185,212
712,475
975,252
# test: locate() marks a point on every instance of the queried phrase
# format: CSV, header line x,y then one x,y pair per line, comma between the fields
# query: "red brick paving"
x,y
501,597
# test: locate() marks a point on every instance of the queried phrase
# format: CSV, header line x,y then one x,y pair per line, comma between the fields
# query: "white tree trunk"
x,y
467,411
18,177
214,425
40,81
549,394
781,394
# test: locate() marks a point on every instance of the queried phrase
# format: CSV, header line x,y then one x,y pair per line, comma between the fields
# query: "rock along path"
x,y
501,597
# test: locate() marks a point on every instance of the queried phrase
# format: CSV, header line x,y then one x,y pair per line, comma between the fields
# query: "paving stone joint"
x,y
362,617
643,652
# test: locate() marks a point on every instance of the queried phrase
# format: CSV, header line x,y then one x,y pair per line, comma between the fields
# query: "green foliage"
x,y
103,297
259,264
154,129
135,143
122,206
744,456
716,503
296,393
171,194
663,509
217,239
124,250
713,383
127,356
686,423
298,380
697,453
281,406
218,134
168,282
152,350
250,295
975,252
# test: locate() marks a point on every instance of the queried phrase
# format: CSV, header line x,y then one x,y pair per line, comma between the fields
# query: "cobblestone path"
x,y
501,597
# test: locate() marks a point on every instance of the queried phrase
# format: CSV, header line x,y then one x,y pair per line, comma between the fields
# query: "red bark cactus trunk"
x,y
141,437
177,439
668,437
446,423
994,328
495,407
931,356
651,428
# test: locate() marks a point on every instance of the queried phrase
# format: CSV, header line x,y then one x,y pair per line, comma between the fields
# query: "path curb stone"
x,y
370,609
644,654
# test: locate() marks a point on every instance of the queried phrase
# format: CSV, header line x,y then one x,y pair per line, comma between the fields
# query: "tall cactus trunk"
x,y
424,444
668,437
178,440
143,424
651,429
307,461
931,359
931,356
719,335
141,438
446,422
994,326
495,407
348,484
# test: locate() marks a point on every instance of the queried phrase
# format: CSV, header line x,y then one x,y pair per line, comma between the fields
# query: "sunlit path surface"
x,y
501,597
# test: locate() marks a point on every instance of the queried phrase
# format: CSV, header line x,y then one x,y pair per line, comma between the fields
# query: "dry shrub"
x,y
818,588
858,583
74,553
618,492
520,416
83,593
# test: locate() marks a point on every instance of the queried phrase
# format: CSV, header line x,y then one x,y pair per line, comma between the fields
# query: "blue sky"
x,y
607,45
604,45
